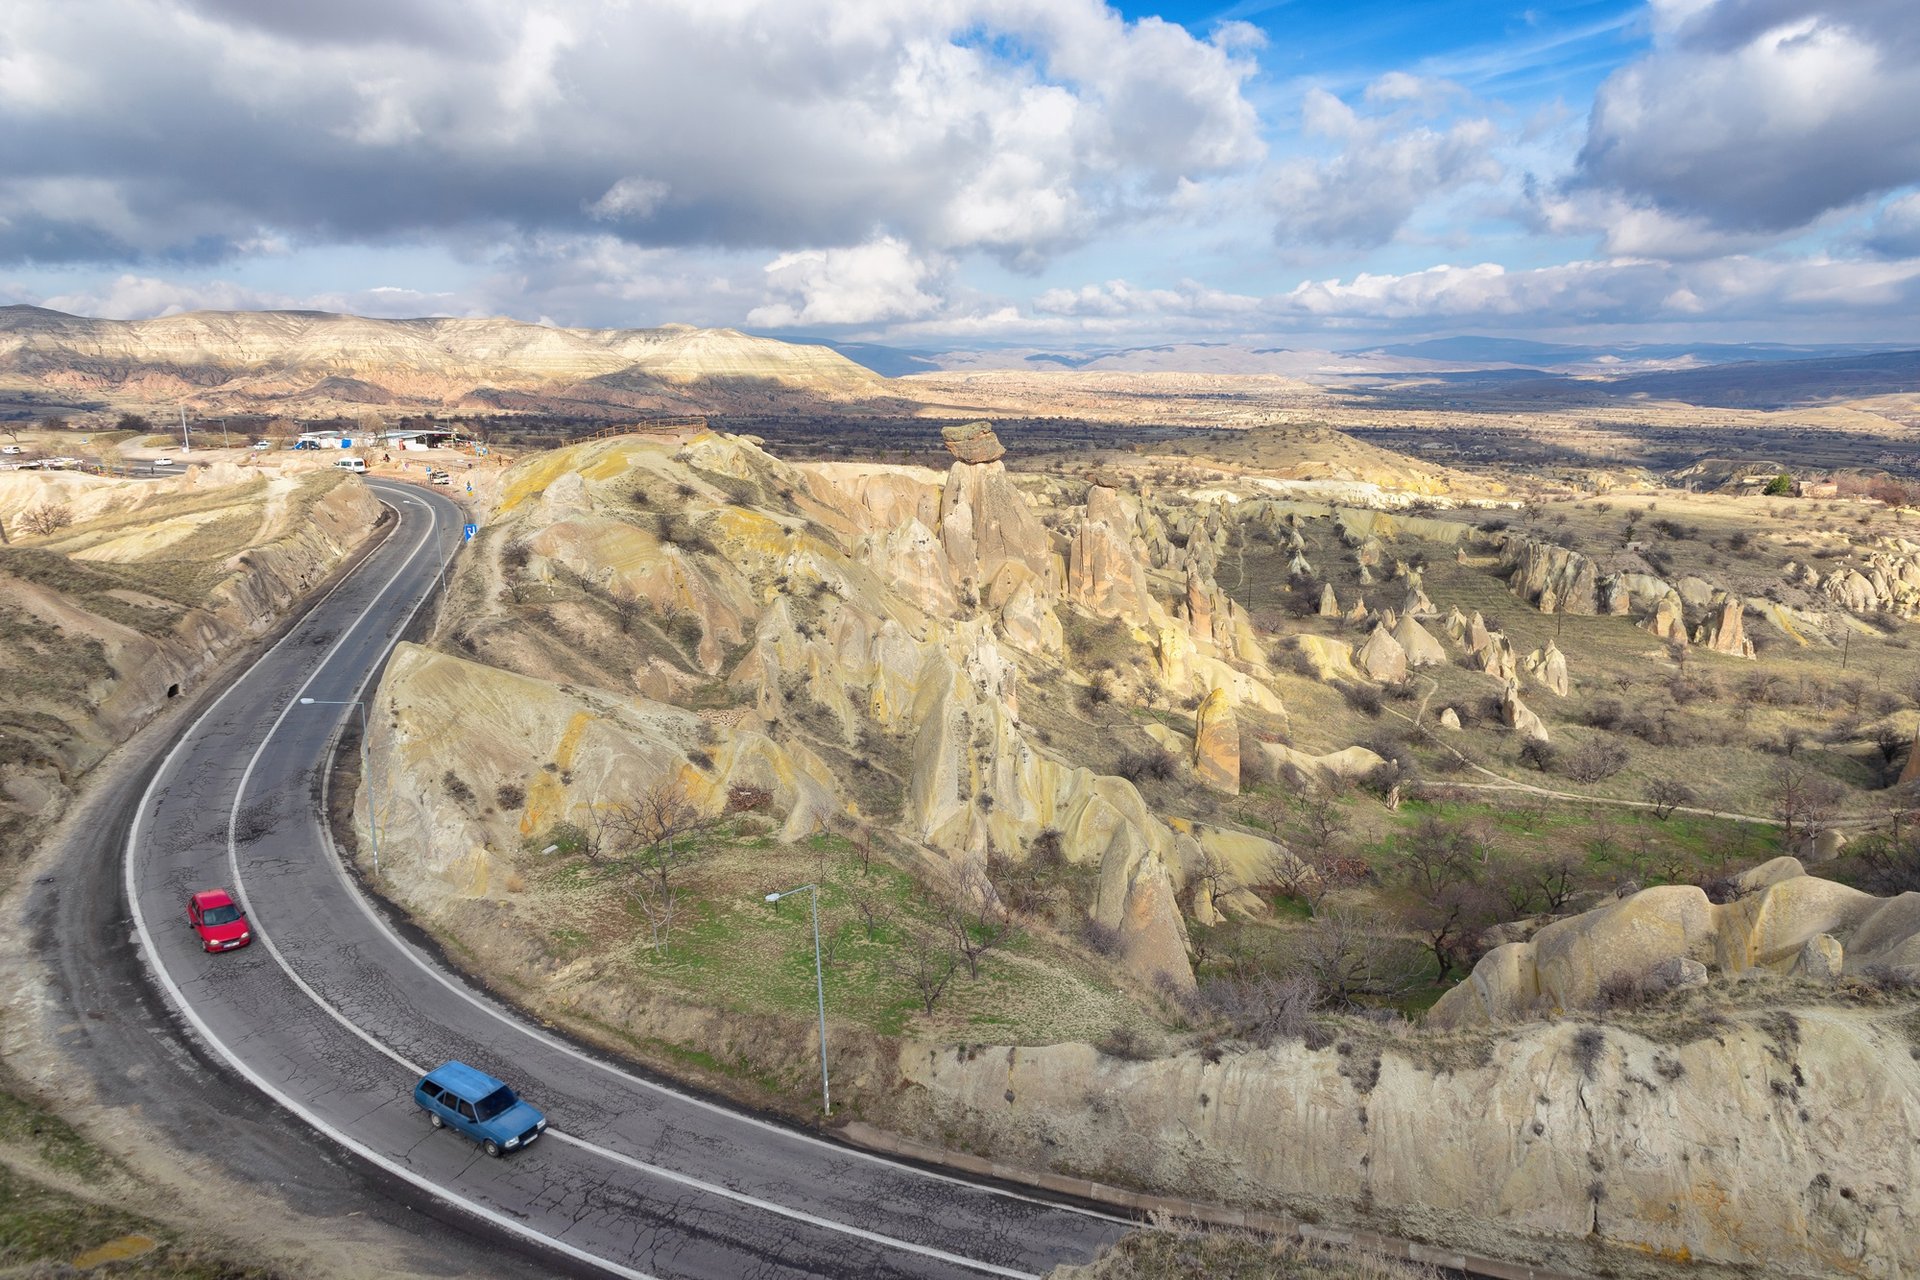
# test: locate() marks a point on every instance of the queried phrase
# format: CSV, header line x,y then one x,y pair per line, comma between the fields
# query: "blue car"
x,y
474,1103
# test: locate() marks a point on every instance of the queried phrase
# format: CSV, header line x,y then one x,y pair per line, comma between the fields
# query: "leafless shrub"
x,y
1596,761
47,518
1138,765
925,962
1263,1009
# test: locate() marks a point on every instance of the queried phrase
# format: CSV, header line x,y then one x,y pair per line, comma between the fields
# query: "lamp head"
x,y
773,897
306,702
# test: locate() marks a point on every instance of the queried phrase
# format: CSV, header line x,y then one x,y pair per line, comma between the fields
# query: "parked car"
x,y
261,446
358,465
469,1101
439,477
160,462
12,448
218,919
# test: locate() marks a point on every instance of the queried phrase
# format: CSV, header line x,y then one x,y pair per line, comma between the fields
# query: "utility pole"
x,y
186,443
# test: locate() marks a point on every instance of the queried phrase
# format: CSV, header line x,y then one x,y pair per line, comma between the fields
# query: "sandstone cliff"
x,y
153,584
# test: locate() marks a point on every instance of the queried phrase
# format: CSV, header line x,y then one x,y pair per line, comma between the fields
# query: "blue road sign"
x,y
471,529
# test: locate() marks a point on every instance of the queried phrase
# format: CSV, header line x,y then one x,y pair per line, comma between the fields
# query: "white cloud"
x,y
1762,115
1012,127
1387,167
878,281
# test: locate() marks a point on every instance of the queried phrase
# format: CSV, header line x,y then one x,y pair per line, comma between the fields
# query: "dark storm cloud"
x,y
1762,115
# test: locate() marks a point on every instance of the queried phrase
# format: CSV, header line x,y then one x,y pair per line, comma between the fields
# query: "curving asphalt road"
x,y
333,1014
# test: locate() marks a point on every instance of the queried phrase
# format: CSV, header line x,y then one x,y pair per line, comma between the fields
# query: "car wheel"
x,y
491,1147
436,1121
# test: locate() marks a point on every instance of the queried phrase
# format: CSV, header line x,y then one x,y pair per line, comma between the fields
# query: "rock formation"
x,y
1104,570
1552,578
1421,649
1723,631
1518,717
1548,667
1495,657
1585,1149
1565,964
1329,603
972,442
1216,743
1382,658
1668,621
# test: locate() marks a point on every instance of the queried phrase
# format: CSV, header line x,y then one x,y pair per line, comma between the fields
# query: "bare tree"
x,y
1667,795
871,907
926,962
47,518
659,837
974,919
1556,878
1348,957
1804,800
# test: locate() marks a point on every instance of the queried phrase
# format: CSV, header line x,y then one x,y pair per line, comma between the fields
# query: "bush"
x,y
456,787
1263,1009
1102,939
1596,762
1155,762
1364,698
1779,485
510,795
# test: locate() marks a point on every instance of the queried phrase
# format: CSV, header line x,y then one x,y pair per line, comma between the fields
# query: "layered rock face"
x,y
153,585
1783,1144
859,601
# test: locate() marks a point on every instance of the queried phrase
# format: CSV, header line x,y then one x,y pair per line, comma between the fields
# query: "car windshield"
x,y
220,915
496,1102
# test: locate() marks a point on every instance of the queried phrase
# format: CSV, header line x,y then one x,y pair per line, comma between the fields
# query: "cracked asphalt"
x,y
332,1013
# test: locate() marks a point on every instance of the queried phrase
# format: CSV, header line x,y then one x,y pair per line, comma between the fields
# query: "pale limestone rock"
x,y
1910,771
1478,637
1029,625
1359,611
1416,602
985,524
1334,768
1548,667
1695,592
1825,846
1366,576
1564,965
1331,659
1421,649
1552,578
1698,1158
1299,566
1449,719
1382,657
1456,625
1103,570
972,442
1678,973
1216,743
1519,717
1329,603
1821,959
1723,630
1669,622
1495,657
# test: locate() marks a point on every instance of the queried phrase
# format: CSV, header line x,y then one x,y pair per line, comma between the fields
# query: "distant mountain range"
x,y
311,363
316,364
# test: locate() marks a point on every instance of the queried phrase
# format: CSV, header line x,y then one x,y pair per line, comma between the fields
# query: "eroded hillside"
x,y
1190,788
119,595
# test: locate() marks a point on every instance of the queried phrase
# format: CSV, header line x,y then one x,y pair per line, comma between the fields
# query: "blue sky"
x,y
1055,173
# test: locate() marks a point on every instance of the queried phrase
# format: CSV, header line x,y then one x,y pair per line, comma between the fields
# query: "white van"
x,y
352,464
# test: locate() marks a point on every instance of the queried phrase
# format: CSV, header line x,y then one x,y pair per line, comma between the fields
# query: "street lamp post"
x,y
819,987
373,816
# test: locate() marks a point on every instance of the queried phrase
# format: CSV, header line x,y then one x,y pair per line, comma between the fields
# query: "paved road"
x,y
333,1015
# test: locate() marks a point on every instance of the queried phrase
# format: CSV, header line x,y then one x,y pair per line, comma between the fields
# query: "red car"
x,y
218,919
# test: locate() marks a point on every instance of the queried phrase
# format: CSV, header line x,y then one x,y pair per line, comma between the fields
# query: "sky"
x,y
949,174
